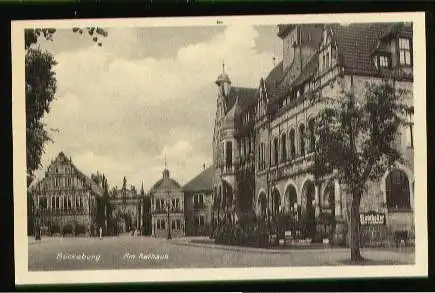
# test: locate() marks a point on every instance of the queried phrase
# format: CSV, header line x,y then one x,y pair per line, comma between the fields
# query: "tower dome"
x,y
222,78
223,82
165,173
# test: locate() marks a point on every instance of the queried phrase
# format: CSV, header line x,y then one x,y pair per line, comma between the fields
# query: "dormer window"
x,y
382,61
405,57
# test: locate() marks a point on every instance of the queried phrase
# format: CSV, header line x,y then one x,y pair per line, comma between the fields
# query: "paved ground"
x,y
127,252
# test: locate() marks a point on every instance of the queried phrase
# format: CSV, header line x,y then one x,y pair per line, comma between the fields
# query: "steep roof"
x,y
275,75
61,157
309,70
246,97
355,43
203,181
165,183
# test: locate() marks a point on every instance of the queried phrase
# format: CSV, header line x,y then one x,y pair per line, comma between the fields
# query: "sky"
x,y
147,93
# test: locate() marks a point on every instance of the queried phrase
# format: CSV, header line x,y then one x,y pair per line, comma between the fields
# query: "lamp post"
x,y
169,223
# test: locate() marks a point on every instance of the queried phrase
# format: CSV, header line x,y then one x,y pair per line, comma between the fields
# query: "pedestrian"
x,y
101,232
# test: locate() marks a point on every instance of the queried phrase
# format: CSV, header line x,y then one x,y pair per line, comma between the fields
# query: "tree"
x,y
355,143
99,179
40,90
124,190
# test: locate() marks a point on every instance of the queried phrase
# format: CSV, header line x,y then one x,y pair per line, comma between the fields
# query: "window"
x,y
312,135
229,155
53,203
275,150
173,224
283,148
198,201
201,220
404,51
292,144
263,159
302,140
327,60
384,62
410,127
43,203
397,189
163,224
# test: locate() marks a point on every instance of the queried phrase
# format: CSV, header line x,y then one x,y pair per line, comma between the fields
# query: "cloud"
x,y
120,115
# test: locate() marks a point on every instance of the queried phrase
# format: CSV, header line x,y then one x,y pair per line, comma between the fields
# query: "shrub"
x,y
67,229
55,229
80,229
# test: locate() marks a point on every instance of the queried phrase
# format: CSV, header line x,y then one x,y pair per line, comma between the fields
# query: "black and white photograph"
x,y
250,147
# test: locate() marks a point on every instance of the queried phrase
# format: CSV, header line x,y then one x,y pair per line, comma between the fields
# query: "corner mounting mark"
x,y
219,21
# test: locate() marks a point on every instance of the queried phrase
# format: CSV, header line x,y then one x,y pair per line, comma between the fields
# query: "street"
x,y
128,252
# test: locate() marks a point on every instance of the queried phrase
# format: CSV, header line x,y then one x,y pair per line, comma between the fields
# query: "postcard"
x,y
219,148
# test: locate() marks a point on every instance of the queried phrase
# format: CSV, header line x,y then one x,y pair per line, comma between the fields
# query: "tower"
x,y
224,83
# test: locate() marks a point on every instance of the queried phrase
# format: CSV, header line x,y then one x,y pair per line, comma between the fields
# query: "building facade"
x,y
198,203
65,199
127,210
167,207
264,138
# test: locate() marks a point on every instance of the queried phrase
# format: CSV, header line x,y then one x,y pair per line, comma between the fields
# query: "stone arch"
x,y
411,181
262,202
275,201
308,195
290,196
328,195
398,190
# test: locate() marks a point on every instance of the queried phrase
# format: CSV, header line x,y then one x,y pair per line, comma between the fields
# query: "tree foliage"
x,y
40,90
355,141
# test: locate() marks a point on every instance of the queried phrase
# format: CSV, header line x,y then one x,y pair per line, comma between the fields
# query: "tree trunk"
x,y
355,254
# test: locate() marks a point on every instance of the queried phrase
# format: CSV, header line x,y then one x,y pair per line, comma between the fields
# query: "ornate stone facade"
x,y
264,138
65,196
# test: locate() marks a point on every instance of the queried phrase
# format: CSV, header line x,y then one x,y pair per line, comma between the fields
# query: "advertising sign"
x,y
372,218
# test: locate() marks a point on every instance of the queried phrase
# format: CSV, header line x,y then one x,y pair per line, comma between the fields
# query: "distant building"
x,y
198,202
125,209
65,197
167,207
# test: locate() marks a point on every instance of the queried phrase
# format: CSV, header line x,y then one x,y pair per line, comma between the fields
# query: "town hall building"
x,y
264,137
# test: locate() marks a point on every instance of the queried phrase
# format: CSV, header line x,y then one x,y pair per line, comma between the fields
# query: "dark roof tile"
x,y
355,43
201,182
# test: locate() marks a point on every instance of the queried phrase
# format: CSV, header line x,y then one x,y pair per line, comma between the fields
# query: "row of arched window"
x,y
289,146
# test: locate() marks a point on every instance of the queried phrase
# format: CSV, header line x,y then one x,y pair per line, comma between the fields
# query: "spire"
x,y
165,171
165,161
223,66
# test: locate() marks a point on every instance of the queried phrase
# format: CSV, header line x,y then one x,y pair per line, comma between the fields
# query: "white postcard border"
x,y
23,276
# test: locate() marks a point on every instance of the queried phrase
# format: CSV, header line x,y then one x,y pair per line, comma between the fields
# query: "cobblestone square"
x,y
127,252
